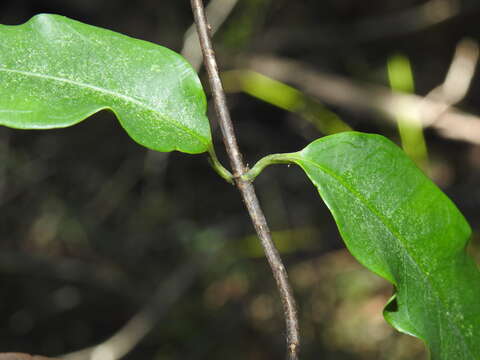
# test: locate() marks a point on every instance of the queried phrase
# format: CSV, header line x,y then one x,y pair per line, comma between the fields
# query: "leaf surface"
x,y
397,223
55,72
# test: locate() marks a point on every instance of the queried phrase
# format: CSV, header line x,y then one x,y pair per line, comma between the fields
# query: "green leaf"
x,y
55,72
397,223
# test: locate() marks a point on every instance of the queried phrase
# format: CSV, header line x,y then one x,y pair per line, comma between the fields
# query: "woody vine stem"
x,y
245,186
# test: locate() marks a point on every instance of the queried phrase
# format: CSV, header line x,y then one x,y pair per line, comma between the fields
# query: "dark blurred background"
x,y
101,237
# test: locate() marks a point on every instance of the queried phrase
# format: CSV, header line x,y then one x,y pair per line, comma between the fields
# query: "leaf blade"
x,y
397,223
55,72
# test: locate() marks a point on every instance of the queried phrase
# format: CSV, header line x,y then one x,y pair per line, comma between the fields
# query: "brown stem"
x,y
245,187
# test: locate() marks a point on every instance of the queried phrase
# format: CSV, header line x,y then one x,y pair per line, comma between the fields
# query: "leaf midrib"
x,y
111,93
392,230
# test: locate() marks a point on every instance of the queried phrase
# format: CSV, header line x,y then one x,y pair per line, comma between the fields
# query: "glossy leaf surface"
x,y
55,72
396,222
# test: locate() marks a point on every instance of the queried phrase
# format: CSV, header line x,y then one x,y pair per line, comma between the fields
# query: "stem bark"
x,y
244,186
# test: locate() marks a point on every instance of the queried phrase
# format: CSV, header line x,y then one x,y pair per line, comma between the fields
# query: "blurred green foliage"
x,y
410,129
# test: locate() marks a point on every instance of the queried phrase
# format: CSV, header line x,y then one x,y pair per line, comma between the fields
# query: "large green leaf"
x,y
396,222
55,72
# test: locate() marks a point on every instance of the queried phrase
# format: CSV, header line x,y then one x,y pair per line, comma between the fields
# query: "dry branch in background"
x,y
22,356
340,91
372,28
457,81
140,325
217,13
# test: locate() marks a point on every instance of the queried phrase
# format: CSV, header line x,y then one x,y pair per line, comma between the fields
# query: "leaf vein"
x,y
111,93
396,235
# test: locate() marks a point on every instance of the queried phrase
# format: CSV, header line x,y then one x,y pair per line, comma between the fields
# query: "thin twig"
x,y
245,187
